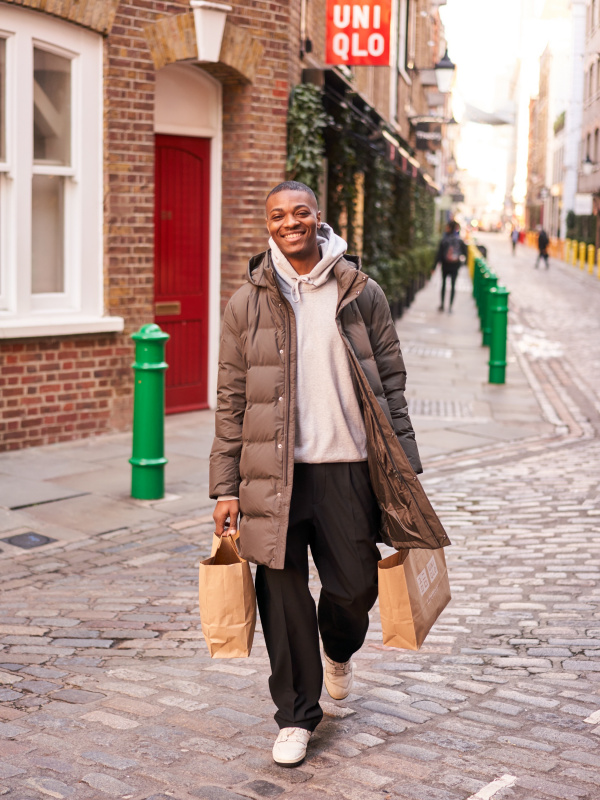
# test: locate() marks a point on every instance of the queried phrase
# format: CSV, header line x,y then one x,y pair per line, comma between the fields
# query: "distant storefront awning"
x,y
502,117
338,90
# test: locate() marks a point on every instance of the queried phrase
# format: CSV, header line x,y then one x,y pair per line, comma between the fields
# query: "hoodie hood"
x,y
331,246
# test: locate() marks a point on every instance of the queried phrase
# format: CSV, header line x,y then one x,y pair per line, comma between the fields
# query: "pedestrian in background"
x,y
290,451
514,237
450,254
543,242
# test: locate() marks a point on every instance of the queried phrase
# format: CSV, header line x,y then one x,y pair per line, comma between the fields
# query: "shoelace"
x,y
339,669
294,735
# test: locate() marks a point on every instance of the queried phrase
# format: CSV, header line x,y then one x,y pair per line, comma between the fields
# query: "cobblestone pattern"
x,y
101,656
108,690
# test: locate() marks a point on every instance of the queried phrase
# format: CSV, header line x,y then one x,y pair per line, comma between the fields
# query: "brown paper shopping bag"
x,y
227,602
413,592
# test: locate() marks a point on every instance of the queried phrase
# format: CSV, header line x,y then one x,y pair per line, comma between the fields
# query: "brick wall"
x,y
254,139
59,389
68,387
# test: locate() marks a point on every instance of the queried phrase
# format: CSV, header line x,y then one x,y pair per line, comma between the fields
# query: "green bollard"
x,y
479,272
482,295
499,327
491,281
482,292
475,277
148,458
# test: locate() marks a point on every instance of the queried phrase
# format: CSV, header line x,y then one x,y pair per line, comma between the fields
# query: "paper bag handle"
x,y
228,550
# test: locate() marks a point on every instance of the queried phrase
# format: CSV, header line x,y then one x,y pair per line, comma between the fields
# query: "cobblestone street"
x,y
106,685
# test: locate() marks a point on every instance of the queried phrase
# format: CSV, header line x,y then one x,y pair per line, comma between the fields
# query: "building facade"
x,y
133,172
132,175
589,161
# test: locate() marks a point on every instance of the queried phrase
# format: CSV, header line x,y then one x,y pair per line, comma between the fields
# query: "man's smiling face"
x,y
292,222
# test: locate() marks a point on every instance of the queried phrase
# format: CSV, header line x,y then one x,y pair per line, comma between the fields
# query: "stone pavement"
x,y
106,684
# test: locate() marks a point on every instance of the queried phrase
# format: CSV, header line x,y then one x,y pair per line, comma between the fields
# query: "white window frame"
x,y
79,308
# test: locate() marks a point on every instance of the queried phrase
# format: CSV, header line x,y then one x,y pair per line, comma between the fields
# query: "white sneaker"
x,y
289,749
338,678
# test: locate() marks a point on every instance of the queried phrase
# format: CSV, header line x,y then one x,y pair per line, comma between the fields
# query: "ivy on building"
x,y
386,215
581,227
306,123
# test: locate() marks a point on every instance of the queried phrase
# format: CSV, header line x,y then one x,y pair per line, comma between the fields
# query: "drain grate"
x,y
454,409
424,351
28,540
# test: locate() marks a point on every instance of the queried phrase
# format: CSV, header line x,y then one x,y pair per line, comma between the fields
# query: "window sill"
x,y
33,327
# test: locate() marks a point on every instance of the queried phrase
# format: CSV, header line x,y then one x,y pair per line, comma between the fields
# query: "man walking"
x,y
450,254
291,448
514,238
543,242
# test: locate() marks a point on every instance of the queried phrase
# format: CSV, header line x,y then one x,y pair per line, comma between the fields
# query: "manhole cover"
x,y
28,540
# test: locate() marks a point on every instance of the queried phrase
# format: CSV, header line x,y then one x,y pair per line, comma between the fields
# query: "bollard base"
x,y
497,372
148,478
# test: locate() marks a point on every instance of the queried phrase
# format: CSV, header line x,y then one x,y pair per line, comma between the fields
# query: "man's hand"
x,y
226,510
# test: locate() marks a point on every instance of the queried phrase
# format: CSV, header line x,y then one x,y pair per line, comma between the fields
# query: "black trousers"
x,y
448,271
335,513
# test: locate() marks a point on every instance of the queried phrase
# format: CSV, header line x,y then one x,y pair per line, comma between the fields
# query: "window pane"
x,y
2,99
51,108
47,229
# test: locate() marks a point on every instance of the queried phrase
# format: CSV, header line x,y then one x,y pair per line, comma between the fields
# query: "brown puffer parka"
x,y
253,452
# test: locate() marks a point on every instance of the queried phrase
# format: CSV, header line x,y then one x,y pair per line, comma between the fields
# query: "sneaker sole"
x,y
288,764
333,697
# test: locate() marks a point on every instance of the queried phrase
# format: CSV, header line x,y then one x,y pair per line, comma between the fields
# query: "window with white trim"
x,y
51,246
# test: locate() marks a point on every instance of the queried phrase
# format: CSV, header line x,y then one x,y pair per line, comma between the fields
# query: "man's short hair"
x,y
293,186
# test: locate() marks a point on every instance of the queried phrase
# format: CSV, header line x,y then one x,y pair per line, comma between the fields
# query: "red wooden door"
x,y
181,218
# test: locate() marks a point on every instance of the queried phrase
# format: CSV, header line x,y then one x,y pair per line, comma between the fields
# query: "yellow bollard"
x,y
574,253
566,250
581,255
598,259
471,259
591,258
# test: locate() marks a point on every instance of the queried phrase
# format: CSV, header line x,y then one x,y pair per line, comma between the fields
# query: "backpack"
x,y
452,251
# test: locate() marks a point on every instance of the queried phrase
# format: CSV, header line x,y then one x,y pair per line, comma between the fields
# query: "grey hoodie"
x,y
329,423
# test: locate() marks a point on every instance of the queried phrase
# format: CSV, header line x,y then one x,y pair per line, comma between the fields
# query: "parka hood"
x,y
261,263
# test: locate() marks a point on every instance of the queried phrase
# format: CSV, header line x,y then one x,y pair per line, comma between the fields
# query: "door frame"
x,y
175,121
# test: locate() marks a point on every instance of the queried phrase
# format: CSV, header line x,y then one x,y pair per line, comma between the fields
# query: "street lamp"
x,y
587,166
444,73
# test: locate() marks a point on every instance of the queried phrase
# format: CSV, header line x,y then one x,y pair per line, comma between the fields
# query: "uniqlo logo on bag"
x,y
423,581
432,569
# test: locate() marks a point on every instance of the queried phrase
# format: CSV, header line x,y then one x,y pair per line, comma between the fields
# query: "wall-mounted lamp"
x,y
209,21
444,73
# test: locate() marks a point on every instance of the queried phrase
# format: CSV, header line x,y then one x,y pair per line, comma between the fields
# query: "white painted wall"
x,y
574,112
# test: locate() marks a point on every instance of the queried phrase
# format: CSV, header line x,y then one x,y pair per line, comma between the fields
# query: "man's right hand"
x,y
226,517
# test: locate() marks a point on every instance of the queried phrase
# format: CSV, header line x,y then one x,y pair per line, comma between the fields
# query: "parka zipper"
x,y
287,380
286,396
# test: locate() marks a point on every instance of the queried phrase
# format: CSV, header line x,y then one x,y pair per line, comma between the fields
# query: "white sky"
x,y
486,38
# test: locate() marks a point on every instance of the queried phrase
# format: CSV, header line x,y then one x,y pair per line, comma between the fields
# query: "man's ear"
x,y
318,219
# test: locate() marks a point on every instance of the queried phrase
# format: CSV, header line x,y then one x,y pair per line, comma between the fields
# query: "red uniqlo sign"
x,y
358,33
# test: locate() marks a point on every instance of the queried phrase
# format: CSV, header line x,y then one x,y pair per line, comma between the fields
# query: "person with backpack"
x,y
450,255
543,242
514,237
